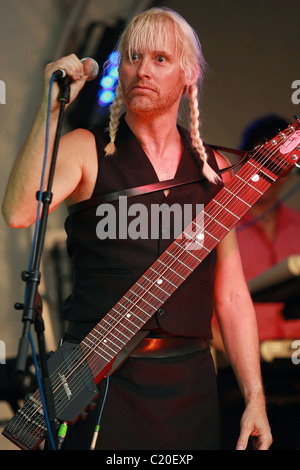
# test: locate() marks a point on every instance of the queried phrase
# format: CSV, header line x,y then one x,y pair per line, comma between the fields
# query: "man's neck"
x,y
155,135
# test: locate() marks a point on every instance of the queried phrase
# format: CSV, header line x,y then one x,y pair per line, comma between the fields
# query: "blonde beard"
x,y
146,105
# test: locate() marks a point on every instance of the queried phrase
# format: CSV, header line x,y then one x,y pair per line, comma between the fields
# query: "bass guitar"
x,y
76,369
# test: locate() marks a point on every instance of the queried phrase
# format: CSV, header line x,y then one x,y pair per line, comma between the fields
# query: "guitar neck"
x,y
75,369
173,267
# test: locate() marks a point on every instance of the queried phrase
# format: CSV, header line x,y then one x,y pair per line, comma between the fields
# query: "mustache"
x,y
141,84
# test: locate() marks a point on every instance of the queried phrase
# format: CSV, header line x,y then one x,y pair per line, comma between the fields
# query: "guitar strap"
x,y
149,188
141,190
140,335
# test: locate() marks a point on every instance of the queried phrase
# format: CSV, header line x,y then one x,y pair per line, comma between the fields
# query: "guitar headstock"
x,y
282,152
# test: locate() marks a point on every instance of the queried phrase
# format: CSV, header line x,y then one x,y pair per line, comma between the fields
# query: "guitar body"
x,y
76,369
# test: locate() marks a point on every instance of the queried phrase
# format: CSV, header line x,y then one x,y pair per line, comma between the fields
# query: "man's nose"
x,y
144,68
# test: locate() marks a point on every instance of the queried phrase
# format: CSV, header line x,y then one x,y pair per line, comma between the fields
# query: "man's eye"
x,y
160,58
134,57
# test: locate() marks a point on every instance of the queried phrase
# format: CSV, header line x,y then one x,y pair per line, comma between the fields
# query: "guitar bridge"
x,y
73,390
27,429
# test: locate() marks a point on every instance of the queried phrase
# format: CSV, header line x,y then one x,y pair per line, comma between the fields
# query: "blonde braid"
x,y
115,113
197,142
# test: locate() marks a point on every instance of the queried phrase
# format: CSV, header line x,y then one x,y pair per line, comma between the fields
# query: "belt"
x,y
157,348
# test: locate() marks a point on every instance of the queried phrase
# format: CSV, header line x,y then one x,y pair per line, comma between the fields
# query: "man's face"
x,y
152,80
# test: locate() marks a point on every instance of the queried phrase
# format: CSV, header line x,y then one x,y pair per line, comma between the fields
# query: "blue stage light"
x,y
107,82
106,97
114,58
114,73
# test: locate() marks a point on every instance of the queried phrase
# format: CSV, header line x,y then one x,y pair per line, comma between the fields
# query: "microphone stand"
x,y
32,308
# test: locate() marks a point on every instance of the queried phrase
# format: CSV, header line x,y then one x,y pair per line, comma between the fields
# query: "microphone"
x,y
61,73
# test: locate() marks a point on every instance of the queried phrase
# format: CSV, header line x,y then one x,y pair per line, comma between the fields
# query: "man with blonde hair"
x,y
164,395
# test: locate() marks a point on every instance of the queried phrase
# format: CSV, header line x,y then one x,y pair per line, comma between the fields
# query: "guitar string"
x,y
168,266
124,305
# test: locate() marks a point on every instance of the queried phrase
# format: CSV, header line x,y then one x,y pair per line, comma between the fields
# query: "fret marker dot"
x,y
200,236
128,315
255,178
159,281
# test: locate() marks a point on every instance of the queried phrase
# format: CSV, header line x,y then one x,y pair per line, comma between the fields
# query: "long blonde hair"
x,y
149,30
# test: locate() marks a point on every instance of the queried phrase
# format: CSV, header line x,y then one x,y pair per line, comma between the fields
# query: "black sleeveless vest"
x,y
105,268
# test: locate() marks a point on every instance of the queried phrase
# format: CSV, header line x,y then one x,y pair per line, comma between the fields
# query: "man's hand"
x,y
254,423
75,69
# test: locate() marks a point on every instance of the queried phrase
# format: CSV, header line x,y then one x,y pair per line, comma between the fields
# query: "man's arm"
x,y
237,320
19,205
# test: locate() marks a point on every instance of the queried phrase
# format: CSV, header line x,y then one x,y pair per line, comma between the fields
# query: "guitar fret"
x,y
137,306
99,354
148,303
251,186
124,326
96,351
226,209
111,326
173,257
100,348
236,196
261,170
165,266
219,223
144,288
96,346
200,247
212,236
104,341
177,258
163,290
108,340
190,251
163,277
128,311
105,344
103,335
206,232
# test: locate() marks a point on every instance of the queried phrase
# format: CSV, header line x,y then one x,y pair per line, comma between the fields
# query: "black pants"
x,y
155,404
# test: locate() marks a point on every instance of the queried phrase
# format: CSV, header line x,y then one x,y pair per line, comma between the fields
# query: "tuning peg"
x,y
28,396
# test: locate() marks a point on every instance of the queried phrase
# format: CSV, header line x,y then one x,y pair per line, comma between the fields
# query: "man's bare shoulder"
x,y
78,147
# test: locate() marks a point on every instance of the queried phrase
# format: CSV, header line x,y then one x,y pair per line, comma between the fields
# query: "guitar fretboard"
x,y
71,381
182,257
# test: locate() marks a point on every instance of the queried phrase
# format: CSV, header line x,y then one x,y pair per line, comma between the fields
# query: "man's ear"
x,y
192,76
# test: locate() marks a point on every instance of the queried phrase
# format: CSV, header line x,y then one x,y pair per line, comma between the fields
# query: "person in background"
x,y
267,235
